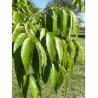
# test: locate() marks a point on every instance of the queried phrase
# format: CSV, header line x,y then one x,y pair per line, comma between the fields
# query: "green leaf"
x,y
17,31
31,26
19,40
36,29
18,17
45,77
55,73
61,78
23,81
29,16
12,49
36,10
71,65
33,19
65,78
20,73
40,50
73,1
33,30
42,33
84,3
48,22
41,53
66,21
80,5
56,21
14,26
30,31
83,8
40,59
24,85
35,62
82,51
65,57
67,43
42,17
13,22
75,24
18,1
50,43
27,53
17,58
59,47
43,37
25,1
75,50
14,2
34,87
61,20
24,9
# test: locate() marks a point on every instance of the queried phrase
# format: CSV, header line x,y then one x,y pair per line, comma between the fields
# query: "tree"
x,y
42,42
62,3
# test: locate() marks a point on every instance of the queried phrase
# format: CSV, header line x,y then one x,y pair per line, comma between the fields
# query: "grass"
x,y
76,84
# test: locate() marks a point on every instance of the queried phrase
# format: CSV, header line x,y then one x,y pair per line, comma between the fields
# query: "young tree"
x,y
43,43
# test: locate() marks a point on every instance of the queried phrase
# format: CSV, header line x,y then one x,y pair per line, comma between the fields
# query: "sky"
x,y
42,4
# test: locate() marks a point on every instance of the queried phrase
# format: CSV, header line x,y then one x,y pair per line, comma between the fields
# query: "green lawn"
x,y
76,84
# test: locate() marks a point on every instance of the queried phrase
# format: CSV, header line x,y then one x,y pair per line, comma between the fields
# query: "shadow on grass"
x,y
79,36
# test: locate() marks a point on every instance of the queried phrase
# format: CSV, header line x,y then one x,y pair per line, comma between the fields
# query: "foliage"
x,y
31,4
80,3
40,41
67,3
